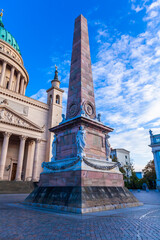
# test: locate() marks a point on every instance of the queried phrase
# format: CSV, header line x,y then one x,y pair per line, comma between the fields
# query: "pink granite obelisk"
x,y
81,91
81,176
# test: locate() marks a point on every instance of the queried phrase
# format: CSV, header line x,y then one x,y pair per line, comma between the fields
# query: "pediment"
x,y
9,116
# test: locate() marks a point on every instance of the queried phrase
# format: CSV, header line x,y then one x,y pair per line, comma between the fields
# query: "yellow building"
x,y
25,141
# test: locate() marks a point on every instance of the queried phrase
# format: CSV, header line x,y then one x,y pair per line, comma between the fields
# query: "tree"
x,y
150,174
134,181
121,169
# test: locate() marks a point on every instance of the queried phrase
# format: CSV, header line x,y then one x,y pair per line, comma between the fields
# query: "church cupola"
x,y
13,75
55,82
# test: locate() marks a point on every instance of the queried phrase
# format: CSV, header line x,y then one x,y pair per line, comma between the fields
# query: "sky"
x,y
125,54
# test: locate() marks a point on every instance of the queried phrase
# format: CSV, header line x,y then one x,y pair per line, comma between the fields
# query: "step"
x,y
7,187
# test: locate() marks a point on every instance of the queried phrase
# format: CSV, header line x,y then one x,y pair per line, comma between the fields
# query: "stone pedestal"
x,y
82,199
81,184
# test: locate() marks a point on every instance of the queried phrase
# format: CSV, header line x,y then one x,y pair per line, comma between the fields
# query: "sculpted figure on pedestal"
x,y
81,142
2,114
108,148
54,144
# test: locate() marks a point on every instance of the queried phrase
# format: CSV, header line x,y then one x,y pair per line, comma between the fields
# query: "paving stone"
x,y
139,223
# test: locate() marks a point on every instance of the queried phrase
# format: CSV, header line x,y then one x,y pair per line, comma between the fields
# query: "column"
x,y
11,78
157,167
29,162
3,72
4,153
18,81
22,86
20,158
35,163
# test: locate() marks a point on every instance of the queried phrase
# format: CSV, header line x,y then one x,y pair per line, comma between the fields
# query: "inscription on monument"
x,y
96,141
68,139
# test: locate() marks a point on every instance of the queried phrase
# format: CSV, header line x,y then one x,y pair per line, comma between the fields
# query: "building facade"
x,y
123,156
155,145
25,141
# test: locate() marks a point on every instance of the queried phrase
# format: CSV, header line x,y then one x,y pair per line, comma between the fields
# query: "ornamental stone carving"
x,y
7,134
54,146
81,142
89,108
22,137
108,148
5,101
73,109
9,117
38,140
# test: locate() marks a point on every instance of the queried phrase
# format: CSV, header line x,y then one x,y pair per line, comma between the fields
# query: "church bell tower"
x,y
54,101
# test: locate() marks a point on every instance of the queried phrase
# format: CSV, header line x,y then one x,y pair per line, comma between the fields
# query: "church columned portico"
x,y
23,165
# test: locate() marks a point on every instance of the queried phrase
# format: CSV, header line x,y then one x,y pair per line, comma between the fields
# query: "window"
x,y
125,157
7,85
50,99
57,99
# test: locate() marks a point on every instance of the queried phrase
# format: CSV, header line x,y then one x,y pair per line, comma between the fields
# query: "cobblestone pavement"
x,y
19,222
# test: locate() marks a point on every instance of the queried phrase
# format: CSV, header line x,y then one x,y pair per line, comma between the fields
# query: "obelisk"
x,y
80,178
81,91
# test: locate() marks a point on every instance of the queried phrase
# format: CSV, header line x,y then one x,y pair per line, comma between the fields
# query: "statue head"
x,y
81,128
55,137
107,136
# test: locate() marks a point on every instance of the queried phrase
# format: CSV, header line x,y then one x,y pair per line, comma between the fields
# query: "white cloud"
x,y
154,5
64,104
127,78
41,96
137,8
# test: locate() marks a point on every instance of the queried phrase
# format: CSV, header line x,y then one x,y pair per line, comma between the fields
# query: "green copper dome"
x,y
7,37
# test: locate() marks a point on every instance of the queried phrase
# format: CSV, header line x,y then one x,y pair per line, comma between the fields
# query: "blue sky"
x,y
125,52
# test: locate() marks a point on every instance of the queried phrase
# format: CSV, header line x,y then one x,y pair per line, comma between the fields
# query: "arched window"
x,y
57,99
50,99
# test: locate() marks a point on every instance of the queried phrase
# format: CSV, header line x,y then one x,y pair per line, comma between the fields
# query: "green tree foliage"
x,y
149,177
121,169
150,174
133,182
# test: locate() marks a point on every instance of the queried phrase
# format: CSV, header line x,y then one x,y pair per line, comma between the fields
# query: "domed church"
x,y
25,141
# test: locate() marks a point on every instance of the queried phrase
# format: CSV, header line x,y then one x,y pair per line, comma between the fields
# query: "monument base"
x,y
82,199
